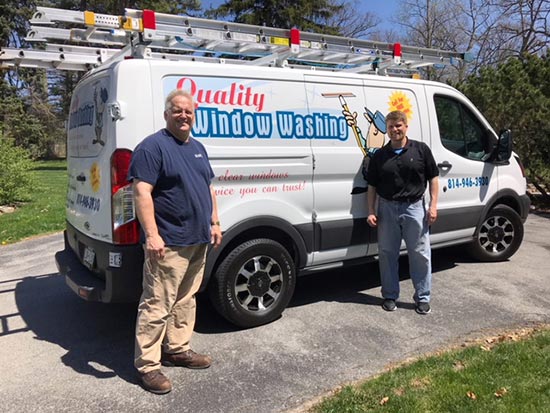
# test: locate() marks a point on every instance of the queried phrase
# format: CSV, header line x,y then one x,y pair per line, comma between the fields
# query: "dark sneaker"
x,y
423,308
156,382
389,305
188,359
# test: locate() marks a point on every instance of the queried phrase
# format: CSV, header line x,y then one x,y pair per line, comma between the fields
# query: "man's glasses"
x,y
179,112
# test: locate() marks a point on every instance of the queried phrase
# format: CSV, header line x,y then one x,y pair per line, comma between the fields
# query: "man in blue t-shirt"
x,y
176,207
397,176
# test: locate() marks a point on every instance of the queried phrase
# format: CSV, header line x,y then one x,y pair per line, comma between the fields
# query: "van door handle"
x,y
81,178
445,165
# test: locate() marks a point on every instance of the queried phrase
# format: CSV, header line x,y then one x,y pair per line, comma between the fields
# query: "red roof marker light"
x,y
397,53
149,20
294,40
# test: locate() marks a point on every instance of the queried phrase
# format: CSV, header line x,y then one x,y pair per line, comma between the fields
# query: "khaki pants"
x,y
166,312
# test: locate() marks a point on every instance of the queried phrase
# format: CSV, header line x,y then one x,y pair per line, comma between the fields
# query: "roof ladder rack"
x,y
88,40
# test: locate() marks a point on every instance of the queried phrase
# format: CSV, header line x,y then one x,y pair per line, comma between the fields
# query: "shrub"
x,y
16,178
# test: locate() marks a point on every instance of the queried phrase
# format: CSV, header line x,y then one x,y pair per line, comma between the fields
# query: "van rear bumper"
x,y
78,278
104,284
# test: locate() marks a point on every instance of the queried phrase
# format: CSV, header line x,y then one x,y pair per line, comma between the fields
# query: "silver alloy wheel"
x,y
259,283
499,235
496,234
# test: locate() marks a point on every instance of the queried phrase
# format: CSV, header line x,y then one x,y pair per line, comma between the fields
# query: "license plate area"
x,y
89,257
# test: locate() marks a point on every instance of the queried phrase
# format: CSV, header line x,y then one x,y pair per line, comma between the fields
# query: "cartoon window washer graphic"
x,y
377,130
374,140
99,104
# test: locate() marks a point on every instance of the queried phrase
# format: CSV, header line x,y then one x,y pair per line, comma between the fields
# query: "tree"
x,y
26,117
493,30
34,102
118,6
524,25
437,24
16,179
353,23
516,95
306,15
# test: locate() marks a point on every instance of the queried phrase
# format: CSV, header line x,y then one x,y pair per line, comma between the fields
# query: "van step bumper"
x,y
78,277
106,283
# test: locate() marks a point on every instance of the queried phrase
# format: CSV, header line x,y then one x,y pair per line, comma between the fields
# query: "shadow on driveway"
x,y
99,338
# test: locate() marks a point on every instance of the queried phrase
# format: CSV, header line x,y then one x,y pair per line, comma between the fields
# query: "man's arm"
x,y
371,203
216,231
434,192
145,211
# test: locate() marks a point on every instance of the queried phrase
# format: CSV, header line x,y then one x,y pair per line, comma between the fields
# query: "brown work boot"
x,y
188,359
156,382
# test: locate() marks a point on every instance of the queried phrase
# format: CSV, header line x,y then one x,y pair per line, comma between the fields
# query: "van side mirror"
x,y
503,150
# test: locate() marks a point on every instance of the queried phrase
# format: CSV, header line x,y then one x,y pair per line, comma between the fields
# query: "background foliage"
x,y
516,95
16,181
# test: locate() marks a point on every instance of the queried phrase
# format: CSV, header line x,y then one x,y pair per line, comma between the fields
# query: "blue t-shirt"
x,y
181,175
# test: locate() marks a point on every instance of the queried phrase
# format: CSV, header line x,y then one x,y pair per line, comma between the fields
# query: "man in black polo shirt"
x,y
397,178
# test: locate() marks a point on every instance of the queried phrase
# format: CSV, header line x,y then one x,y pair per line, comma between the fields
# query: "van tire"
x,y
498,236
254,283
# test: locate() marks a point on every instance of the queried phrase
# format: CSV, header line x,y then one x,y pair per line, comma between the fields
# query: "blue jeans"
x,y
407,221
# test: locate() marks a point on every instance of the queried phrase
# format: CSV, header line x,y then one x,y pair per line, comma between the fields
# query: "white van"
x,y
288,171
287,144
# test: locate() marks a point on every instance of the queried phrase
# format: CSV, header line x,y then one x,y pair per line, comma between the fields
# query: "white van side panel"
x,y
250,122
509,178
338,157
466,184
340,187
134,89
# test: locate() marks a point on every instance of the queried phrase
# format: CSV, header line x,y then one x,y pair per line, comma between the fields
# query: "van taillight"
x,y
125,224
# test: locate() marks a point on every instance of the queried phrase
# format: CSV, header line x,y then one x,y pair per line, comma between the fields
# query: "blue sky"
x,y
383,8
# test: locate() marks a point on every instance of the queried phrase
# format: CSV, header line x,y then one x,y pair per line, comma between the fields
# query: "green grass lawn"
x,y
507,373
45,212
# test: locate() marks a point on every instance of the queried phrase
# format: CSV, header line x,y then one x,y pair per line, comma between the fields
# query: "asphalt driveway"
x,y
59,353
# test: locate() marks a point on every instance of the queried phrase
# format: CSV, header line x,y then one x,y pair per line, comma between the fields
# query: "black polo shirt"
x,y
403,176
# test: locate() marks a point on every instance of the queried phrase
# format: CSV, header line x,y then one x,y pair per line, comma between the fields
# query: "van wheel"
x,y
499,235
254,283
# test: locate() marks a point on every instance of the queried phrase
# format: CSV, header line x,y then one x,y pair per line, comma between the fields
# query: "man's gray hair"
x,y
177,92
397,116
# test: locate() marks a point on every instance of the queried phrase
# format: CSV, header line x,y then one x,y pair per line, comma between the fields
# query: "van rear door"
x,y
90,142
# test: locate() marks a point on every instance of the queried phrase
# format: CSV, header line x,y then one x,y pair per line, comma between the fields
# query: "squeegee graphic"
x,y
356,131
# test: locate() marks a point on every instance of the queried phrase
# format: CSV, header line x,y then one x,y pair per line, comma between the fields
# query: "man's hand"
x,y
432,215
215,235
154,246
372,220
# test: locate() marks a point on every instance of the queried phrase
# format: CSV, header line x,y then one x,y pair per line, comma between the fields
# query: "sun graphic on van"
x,y
95,177
400,101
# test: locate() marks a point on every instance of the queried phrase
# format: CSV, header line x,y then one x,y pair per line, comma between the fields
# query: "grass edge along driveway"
x,y
504,372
